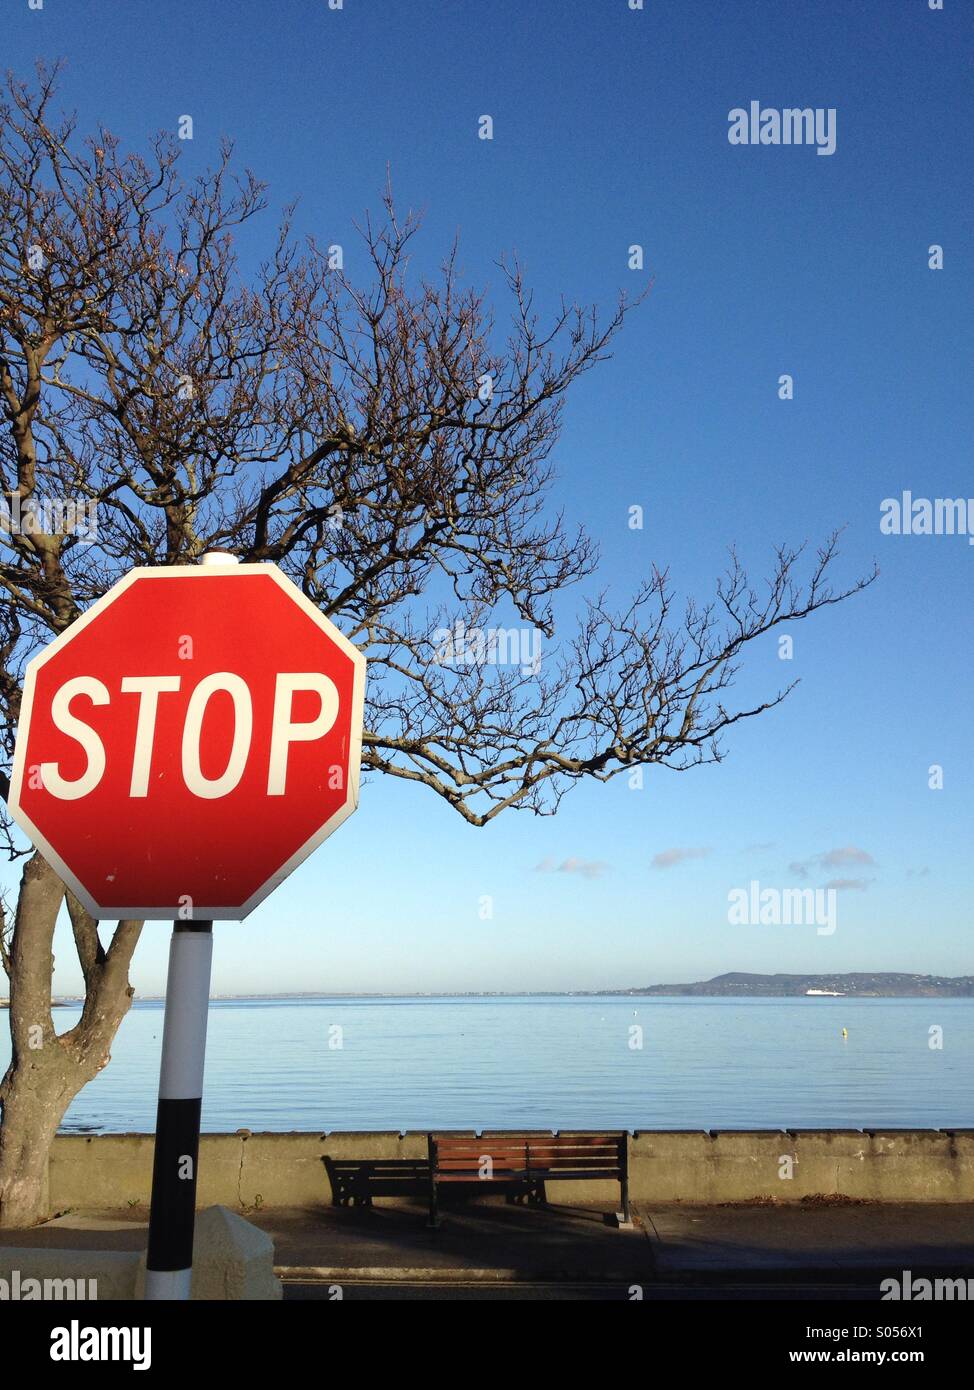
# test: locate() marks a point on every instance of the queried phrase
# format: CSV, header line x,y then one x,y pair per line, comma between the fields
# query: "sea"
x,y
550,1062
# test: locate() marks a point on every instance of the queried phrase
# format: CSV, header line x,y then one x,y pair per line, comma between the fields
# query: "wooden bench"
x,y
521,1164
355,1181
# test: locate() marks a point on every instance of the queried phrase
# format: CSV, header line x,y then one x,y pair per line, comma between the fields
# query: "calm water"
x,y
552,1063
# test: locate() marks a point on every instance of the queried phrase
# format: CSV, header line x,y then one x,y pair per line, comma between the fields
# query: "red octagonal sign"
x,y
188,742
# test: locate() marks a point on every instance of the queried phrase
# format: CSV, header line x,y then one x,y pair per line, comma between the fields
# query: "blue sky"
x,y
610,128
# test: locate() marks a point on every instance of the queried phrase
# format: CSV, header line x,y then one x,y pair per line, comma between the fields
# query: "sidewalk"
x,y
479,1241
491,1243
863,1241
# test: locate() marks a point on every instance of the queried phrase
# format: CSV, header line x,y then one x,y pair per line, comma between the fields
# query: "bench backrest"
x,y
519,1153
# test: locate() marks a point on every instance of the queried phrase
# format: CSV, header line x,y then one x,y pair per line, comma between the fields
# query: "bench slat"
x,y
576,1141
562,1161
581,1154
608,1174
393,1166
511,1151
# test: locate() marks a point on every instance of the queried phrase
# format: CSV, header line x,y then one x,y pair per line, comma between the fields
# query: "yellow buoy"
x,y
845,1032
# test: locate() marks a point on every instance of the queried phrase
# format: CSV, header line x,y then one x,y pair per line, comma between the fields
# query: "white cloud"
x,y
587,868
831,859
668,857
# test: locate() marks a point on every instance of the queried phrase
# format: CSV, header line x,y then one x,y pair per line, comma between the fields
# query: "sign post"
x,y
181,749
172,1215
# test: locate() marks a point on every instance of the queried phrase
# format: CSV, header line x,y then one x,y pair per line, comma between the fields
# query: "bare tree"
x,y
388,446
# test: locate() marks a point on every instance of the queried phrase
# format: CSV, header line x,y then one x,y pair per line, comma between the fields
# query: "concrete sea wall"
x,y
243,1171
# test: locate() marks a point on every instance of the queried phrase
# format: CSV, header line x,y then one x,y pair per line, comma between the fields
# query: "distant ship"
x,y
831,993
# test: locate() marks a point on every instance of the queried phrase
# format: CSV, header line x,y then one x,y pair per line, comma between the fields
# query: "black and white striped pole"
x,y
172,1217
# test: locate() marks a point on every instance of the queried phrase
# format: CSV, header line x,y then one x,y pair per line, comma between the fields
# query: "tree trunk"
x,y
46,1071
34,1105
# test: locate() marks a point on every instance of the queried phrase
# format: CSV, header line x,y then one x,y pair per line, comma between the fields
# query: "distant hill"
x,y
734,985
864,986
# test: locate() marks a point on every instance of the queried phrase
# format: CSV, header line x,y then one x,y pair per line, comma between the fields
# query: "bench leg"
x,y
625,1200
434,1216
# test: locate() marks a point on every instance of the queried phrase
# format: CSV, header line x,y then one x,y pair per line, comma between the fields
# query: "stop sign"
x,y
188,741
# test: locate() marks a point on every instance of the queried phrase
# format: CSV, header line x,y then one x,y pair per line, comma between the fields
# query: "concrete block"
x,y
231,1260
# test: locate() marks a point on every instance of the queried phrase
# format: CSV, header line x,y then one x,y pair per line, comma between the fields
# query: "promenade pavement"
x,y
484,1248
